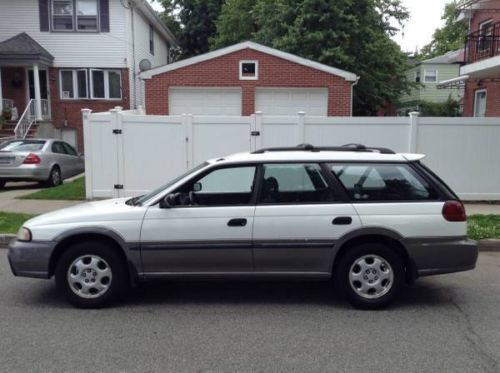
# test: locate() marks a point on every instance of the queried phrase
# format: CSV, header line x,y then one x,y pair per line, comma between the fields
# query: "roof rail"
x,y
311,148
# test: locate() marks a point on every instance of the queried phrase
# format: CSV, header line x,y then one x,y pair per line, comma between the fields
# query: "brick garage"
x,y
276,72
67,113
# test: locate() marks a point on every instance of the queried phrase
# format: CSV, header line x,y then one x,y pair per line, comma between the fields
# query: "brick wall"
x,y
224,72
67,113
492,97
14,86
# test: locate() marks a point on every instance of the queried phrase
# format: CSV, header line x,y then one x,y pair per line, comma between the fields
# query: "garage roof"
x,y
249,45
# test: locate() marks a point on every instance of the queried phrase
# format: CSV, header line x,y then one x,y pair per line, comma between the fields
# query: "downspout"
x,y
352,94
134,74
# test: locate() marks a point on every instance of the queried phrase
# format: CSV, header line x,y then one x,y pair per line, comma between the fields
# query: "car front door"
x,y
207,227
299,215
75,162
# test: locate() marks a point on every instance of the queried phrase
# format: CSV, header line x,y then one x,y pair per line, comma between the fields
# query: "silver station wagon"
x,y
369,218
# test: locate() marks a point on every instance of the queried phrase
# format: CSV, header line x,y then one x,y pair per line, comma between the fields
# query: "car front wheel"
x,y
91,274
370,275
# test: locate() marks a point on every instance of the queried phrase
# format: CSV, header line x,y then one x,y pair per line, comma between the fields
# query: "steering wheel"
x,y
192,198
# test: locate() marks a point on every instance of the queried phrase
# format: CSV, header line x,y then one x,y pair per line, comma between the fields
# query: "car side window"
x,y
383,182
58,148
69,149
221,187
297,183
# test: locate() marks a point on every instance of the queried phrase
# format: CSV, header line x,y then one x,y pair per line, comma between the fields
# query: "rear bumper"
x,y
24,172
30,259
434,256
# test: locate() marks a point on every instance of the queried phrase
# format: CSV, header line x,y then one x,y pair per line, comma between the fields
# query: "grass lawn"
x,y
74,190
10,222
483,226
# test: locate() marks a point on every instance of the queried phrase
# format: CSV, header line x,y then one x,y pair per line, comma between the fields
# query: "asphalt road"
x,y
441,324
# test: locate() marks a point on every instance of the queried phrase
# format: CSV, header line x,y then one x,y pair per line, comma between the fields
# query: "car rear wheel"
x,y
370,275
55,177
91,274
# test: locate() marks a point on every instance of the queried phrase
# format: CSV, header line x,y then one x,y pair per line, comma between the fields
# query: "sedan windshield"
x,y
140,200
22,146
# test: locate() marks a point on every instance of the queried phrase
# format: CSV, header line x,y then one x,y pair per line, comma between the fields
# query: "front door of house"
x,y
44,90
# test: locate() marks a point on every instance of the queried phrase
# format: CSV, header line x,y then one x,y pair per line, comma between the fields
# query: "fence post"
x,y
87,150
187,122
257,130
140,110
116,123
412,145
301,126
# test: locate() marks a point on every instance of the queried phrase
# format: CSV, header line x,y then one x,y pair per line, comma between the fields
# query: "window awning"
x,y
458,82
22,49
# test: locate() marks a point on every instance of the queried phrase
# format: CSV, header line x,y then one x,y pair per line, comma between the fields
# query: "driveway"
x,y
10,203
445,323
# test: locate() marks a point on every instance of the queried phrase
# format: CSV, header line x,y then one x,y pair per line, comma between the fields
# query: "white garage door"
x,y
205,101
288,101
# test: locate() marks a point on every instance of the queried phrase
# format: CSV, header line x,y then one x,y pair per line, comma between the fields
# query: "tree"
x,y
450,37
349,34
193,23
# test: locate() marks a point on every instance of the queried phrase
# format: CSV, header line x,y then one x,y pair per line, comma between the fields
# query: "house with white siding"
x,y
59,56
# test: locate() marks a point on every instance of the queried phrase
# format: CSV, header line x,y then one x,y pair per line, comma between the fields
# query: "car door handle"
x,y
342,220
237,223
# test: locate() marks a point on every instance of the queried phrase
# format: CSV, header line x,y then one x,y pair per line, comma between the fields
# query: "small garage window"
x,y
249,70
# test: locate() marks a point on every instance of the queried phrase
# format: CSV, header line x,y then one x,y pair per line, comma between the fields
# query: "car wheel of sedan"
x,y
55,177
370,275
91,274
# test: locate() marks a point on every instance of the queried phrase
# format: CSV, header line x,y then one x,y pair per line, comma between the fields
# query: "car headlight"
x,y
23,234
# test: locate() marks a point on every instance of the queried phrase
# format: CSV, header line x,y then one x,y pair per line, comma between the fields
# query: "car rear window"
x,y
383,182
22,146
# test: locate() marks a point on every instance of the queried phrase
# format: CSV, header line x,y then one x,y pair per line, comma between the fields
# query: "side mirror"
x,y
168,201
197,187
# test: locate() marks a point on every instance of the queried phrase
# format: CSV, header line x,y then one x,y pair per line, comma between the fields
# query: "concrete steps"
x,y
7,130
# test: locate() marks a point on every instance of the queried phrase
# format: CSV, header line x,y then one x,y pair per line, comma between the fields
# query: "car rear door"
x,y
208,230
300,214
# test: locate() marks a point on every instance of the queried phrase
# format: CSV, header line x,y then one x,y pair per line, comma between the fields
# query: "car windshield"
x,y
22,146
141,199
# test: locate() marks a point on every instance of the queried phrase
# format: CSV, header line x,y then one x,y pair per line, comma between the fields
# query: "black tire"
x,y
117,279
348,261
55,177
2,184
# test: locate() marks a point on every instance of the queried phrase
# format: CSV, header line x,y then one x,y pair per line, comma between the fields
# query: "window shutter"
x,y
43,6
104,15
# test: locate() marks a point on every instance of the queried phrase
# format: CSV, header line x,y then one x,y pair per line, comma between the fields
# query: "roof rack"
x,y
311,148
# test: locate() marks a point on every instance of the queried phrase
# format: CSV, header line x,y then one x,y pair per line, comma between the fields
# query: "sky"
x,y
425,17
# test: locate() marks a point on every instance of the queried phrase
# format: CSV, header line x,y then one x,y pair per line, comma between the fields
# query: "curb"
x,y
487,245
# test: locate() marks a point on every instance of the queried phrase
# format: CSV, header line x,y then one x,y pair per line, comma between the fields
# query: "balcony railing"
x,y
45,109
482,44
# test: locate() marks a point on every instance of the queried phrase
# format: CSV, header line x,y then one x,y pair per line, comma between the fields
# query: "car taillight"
x,y
454,211
32,159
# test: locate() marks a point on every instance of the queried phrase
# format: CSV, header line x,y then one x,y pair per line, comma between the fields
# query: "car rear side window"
x,y
58,148
294,183
22,146
383,182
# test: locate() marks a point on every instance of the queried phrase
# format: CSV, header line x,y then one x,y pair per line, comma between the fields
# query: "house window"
x,y
106,84
73,84
71,15
249,70
485,35
151,40
417,76
430,76
480,103
86,15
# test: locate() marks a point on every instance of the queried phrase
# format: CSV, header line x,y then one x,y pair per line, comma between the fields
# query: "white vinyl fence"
x,y
128,153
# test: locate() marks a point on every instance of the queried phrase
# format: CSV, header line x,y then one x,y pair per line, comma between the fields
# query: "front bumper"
x,y
434,256
30,259
24,172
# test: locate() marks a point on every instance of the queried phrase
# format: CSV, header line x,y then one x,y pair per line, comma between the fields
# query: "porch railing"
x,y
45,109
482,44
26,121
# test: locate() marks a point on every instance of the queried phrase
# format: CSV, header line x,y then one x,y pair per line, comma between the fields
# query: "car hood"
x,y
90,212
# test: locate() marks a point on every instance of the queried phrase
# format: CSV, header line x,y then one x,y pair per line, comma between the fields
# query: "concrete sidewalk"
x,y
482,208
10,203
